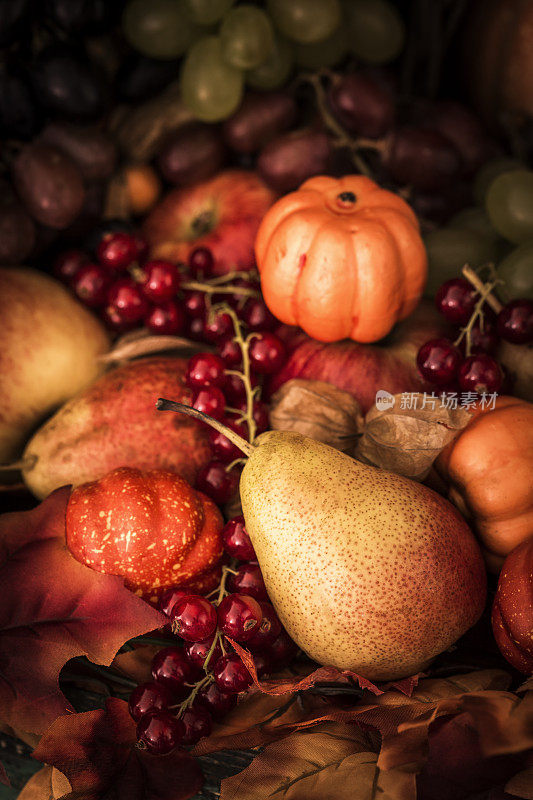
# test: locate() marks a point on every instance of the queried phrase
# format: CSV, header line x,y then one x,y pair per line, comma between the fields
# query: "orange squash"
x,y
490,469
341,258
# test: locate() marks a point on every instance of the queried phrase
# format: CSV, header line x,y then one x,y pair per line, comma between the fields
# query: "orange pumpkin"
x,y
490,469
341,258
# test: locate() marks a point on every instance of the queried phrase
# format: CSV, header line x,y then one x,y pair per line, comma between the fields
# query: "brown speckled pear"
x,y
368,571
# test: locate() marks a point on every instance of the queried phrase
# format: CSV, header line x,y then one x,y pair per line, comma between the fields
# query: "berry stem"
x,y
478,284
163,404
485,290
342,138
244,345
212,289
190,699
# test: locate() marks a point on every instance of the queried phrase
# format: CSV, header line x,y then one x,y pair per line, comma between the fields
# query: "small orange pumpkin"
x,y
341,258
490,468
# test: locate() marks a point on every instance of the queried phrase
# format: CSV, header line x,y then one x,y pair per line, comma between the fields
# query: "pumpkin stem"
x,y
172,405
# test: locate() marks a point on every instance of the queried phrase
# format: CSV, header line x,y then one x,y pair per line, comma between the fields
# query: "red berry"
x,y
127,300
195,329
90,284
481,340
193,618
117,251
249,581
438,361
234,387
217,326
260,414
197,652
160,732
231,675
205,369
166,319
515,322
148,697
456,300
268,631
68,263
239,616
197,724
223,449
160,281
201,262
171,668
168,599
194,303
283,649
230,353
211,401
215,701
217,482
267,354
481,374
236,540
263,664
257,316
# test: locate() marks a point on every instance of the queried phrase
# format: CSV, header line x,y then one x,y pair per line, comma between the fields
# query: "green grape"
x,y
275,70
509,204
474,219
376,30
247,37
206,12
211,89
516,270
158,28
488,172
305,21
449,249
327,53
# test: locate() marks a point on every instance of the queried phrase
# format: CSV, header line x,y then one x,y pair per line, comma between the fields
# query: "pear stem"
x,y
172,405
24,463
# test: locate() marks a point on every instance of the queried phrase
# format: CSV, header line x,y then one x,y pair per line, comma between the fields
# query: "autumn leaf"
x,y
136,664
47,784
53,609
96,751
332,762
298,683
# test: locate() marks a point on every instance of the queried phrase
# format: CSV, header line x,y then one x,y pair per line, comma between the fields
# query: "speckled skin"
x,y
512,612
367,570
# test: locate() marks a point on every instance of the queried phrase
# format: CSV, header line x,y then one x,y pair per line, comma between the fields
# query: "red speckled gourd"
x,y
341,258
151,527
490,469
512,612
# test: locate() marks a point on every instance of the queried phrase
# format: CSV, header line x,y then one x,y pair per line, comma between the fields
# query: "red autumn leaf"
x,y
321,675
52,609
96,751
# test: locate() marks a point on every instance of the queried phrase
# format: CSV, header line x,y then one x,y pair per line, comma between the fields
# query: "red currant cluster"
x,y
200,681
468,363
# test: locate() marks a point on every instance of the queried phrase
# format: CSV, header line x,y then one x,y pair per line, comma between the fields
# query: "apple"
x,y
114,423
363,369
222,213
49,349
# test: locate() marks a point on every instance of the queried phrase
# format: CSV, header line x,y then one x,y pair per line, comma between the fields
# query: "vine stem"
x,y
485,296
342,139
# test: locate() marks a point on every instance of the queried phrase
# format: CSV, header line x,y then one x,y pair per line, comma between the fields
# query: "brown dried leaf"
x,y
318,410
136,663
332,762
47,784
521,784
408,440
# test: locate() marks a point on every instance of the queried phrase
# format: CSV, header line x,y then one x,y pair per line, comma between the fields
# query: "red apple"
x,y
114,423
151,527
222,213
363,369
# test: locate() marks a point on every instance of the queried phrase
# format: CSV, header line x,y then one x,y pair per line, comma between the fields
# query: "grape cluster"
x,y
227,46
468,363
198,681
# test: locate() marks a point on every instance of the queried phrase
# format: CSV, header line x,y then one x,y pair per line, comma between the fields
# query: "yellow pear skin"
x,y
368,571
